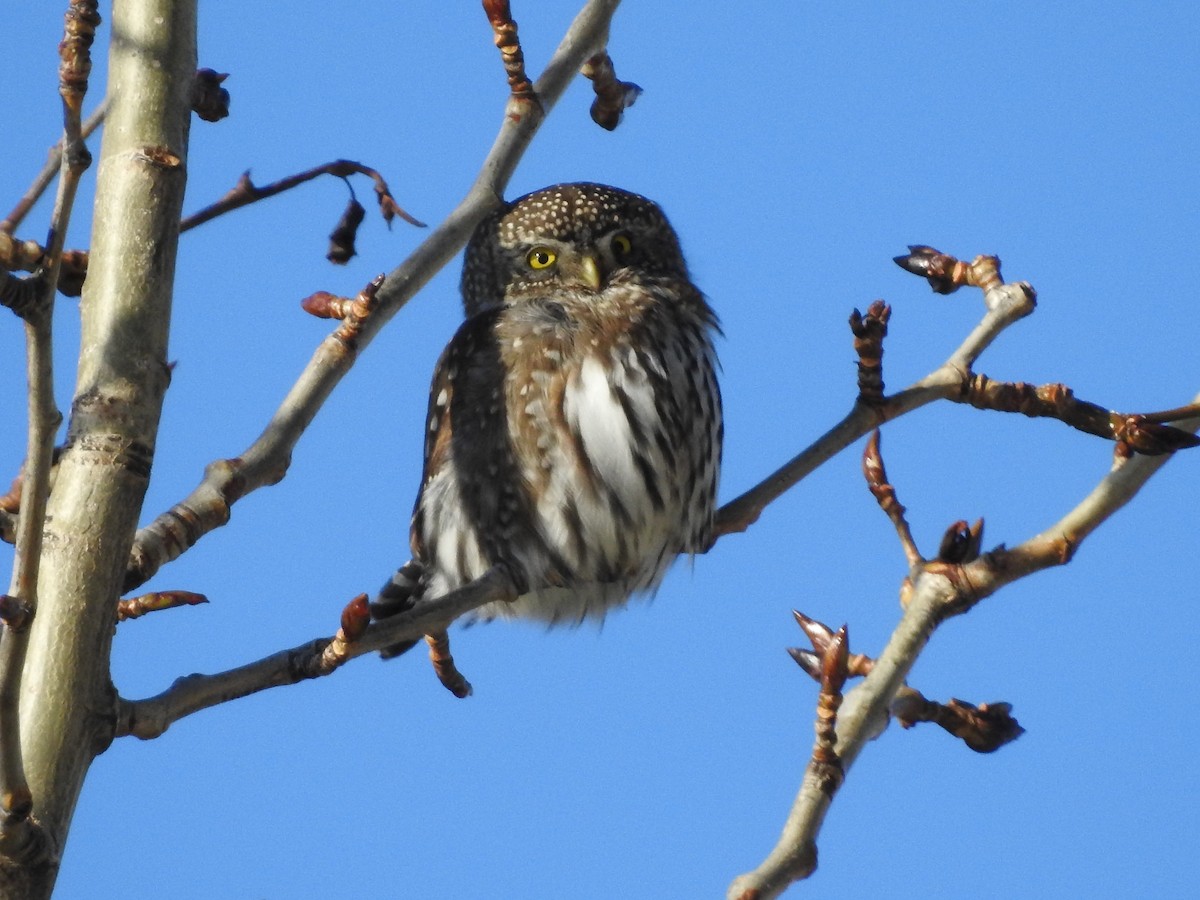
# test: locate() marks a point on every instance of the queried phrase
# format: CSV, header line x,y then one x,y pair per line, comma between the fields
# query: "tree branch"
x,y
21,838
1006,304
266,460
149,718
246,192
939,590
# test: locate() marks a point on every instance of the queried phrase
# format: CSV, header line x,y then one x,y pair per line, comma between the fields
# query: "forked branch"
x,y
938,589
151,717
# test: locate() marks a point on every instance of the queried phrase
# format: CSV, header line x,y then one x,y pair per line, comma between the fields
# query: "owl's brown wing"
x,y
475,509
451,376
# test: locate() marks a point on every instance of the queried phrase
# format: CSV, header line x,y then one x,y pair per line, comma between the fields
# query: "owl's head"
x,y
567,236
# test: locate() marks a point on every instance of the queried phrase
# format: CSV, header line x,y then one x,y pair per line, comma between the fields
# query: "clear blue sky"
x,y
797,148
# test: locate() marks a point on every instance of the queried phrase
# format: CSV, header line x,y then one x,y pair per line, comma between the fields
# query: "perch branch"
x,y
940,589
151,717
21,837
266,460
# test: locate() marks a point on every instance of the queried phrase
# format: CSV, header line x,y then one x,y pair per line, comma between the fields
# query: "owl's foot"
x,y
444,667
399,595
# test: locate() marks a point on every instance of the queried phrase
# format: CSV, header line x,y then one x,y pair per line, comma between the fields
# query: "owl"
x,y
574,428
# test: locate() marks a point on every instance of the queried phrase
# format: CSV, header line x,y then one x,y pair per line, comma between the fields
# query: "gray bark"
x,y
67,701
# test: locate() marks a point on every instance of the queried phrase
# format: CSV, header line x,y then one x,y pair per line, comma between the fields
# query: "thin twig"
x,y
136,607
504,31
21,838
151,717
266,460
939,591
885,495
246,192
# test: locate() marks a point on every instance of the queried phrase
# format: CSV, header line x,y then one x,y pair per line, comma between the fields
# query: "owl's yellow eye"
x,y
621,244
541,258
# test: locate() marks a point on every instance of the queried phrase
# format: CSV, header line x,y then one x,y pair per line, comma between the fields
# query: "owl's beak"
x,y
589,271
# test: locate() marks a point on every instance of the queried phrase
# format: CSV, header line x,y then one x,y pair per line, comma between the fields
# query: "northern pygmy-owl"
x,y
574,429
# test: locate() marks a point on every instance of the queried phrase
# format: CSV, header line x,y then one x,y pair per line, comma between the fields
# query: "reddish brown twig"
x,y
613,96
209,100
984,728
946,274
504,28
1140,433
825,763
355,619
869,332
821,636
829,663
444,667
18,255
136,607
885,495
353,313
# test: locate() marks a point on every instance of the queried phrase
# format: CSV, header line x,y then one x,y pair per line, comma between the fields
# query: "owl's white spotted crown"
x,y
574,212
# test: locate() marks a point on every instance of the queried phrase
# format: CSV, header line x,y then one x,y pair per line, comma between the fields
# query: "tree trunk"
x,y
67,699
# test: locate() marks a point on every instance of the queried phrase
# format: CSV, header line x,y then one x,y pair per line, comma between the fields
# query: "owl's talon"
x,y
399,595
444,667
